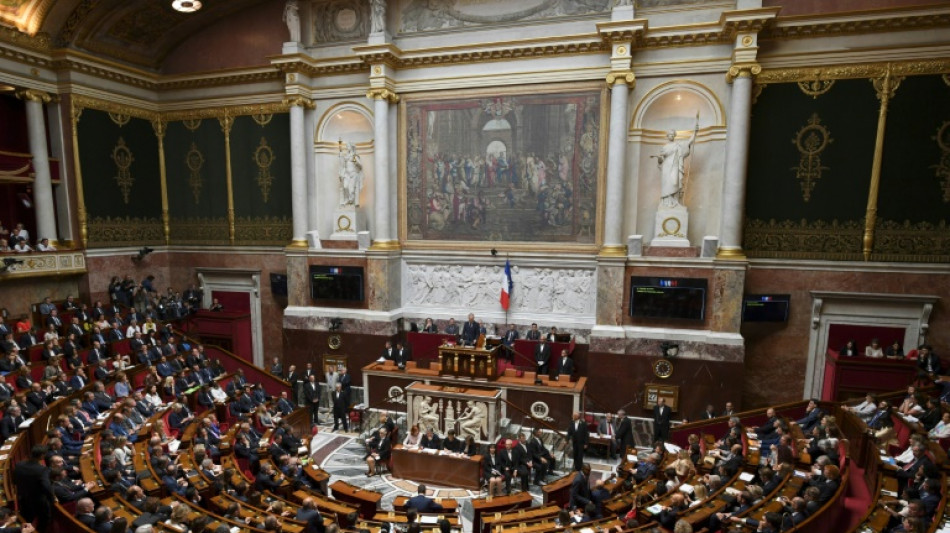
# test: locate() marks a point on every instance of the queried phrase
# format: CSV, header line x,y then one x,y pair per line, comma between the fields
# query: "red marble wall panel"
x,y
776,354
241,40
17,295
102,269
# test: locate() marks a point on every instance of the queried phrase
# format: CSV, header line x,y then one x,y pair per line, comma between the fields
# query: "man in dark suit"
x,y
340,406
27,339
422,503
388,352
430,441
471,330
284,405
928,361
565,366
661,421
624,432
510,336
541,458
276,368
34,490
10,423
534,333
578,435
812,417
542,355
402,355
908,471
608,428
346,381
311,394
580,487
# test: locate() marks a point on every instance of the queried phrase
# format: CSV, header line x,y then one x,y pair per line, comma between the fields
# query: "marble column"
x,y
382,180
298,170
43,180
737,156
616,154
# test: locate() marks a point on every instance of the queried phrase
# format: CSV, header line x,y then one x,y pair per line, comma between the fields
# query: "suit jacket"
x,y
311,392
33,487
340,404
402,356
565,366
492,466
470,332
423,504
510,337
580,491
533,335
8,426
346,383
537,451
433,444
577,433
662,418
602,428
624,434
542,353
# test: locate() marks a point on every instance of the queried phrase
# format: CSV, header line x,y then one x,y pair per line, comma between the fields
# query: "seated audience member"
x,y
874,349
895,350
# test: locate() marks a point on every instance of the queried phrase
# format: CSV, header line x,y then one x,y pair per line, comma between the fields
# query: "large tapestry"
x,y
504,168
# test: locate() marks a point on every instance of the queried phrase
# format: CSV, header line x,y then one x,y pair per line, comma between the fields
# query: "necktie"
x,y
610,430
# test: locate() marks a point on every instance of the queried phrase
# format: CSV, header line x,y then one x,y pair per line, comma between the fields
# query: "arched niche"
x,y
674,104
348,121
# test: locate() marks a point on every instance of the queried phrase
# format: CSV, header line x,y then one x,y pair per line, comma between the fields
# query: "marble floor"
x,y
340,453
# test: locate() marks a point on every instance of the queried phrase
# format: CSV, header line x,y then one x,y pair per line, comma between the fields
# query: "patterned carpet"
x,y
341,455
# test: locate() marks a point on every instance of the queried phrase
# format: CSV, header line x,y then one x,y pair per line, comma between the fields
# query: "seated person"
x,y
874,350
451,443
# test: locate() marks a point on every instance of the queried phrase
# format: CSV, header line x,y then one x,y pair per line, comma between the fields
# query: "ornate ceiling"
x,y
140,32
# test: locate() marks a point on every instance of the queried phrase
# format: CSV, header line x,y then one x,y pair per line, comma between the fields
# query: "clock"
x,y
662,368
334,342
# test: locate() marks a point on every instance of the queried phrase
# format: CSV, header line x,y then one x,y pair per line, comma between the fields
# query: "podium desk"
x,y
468,362
436,469
559,490
366,501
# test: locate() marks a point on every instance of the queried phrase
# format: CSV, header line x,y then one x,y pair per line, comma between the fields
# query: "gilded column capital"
x,y
621,76
743,70
383,94
300,101
159,126
34,95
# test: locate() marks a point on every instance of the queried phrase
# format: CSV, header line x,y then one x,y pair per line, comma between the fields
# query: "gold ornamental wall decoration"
x,y
120,119
262,119
811,140
815,87
191,124
123,159
264,158
194,160
942,168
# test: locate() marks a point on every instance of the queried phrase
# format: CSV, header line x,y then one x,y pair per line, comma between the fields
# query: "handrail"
x,y
231,362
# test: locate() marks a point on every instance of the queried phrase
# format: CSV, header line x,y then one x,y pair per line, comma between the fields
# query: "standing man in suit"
x,y
662,415
580,487
388,352
403,354
341,404
276,368
624,432
34,490
542,355
311,394
608,428
346,381
422,503
565,366
578,435
471,330
534,334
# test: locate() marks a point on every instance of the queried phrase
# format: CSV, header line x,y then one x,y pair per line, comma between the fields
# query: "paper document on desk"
x,y
687,488
173,446
429,519
733,491
302,450
746,476
26,423
671,448
632,458
655,509
430,451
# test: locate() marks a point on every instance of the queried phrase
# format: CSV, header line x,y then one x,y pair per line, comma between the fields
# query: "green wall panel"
x,y
261,218
116,217
197,201
849,114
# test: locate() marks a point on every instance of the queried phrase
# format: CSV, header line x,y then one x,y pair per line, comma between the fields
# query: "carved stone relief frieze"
x,y
535,289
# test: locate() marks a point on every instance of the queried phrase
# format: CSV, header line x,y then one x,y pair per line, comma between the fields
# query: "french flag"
x,y
506,286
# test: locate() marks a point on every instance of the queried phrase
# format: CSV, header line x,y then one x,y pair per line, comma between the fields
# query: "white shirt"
x,y
218,394
940,431
154,400
22,247
45,247
132,330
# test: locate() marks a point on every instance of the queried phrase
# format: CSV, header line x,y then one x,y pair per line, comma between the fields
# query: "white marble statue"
x,y
377,16
672,163
292,19
474,420
350,174
427,415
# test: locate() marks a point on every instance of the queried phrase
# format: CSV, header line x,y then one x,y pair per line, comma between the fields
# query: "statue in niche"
x,y
292,19
350,175
377,16
427,414
672,163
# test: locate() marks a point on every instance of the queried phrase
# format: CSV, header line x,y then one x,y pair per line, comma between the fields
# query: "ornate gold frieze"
x,y
80,102
815,88
194,160
740,70
942,168
383,94
816,239
262,119
191,124
811,140
299,101
264,158
200,230
906,241
33,95
122,157
119,119
263,230
854,71
124,231
799,27
40,42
